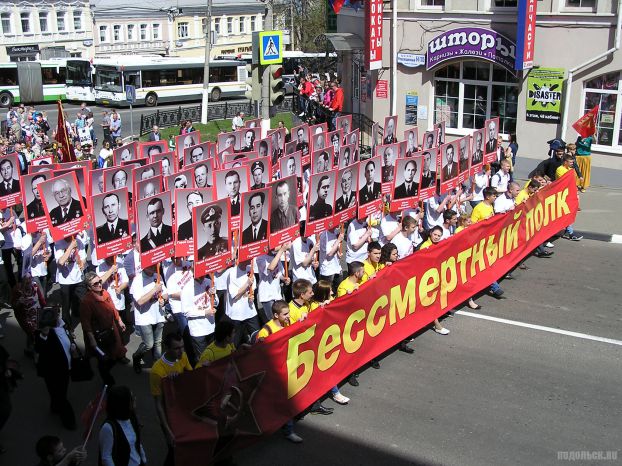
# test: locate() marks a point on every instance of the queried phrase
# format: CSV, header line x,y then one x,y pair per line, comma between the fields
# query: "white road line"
x,y
616,239
584,336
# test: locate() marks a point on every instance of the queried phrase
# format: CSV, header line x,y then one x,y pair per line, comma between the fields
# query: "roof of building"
x,y
144,7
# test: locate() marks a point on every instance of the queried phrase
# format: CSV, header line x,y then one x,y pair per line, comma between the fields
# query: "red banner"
x,y
240,399
62,137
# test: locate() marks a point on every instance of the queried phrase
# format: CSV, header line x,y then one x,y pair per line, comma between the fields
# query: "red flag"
x,y
336,4
586,125
64,142
91,413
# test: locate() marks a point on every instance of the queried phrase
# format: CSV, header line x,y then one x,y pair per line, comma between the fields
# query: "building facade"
x,y
447,79
45,29
122,28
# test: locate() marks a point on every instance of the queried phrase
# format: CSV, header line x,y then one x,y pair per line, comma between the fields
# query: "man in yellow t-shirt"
x,y
221,347
484,209
371,265
528,191
353,280
301,305
173,362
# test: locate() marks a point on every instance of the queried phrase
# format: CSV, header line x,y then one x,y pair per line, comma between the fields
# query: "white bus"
x,y
32,81
164,79
80,80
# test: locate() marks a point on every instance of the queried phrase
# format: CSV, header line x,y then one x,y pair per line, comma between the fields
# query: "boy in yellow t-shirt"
x,y
221,347
173,362
353,280
566,166
301,305
280,320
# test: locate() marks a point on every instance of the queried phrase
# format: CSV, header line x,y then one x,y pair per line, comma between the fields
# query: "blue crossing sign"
x,y
270,47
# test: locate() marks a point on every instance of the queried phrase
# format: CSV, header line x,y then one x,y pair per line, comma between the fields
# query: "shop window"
x,y
604,91
468,93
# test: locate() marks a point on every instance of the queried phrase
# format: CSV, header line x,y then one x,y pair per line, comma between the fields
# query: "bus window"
x,y
108,80
8,76
132,78
53,75
78,73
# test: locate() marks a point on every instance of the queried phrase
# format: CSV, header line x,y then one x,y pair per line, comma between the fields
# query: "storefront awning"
x,y
344,41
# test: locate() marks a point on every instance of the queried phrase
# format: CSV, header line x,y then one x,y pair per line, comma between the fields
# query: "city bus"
x,y
79,82
164,79
32,81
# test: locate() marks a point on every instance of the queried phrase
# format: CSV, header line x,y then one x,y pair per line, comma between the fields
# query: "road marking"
x,y
584,336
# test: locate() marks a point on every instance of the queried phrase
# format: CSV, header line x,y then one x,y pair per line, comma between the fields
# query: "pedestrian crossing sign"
x,y
270,47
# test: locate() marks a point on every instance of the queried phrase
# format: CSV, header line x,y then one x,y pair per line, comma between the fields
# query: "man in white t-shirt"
x,y
147,289
389,227
330,264
450,219
196,300
501,179
434,208
176,276
358,235
70,256
240,302
36,248
271,275
480,181
304,262
505,201
402,241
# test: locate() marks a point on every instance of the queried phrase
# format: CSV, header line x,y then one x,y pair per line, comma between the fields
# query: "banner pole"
x,y
211,296
99,405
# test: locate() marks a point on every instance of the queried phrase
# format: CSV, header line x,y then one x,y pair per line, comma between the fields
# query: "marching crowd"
x,y
53,287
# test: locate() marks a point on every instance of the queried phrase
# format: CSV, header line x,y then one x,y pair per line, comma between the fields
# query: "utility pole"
x,y
291,28
265,80
208,48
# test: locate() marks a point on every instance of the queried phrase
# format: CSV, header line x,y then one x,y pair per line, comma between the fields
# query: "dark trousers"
x,y
70,301
244,329
104,367
198,346
5,406
220,309
57,385
7,257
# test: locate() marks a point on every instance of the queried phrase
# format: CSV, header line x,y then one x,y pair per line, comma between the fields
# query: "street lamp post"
x,y
208,45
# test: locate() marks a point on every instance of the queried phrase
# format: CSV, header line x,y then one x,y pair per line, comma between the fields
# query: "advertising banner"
x,y
544,95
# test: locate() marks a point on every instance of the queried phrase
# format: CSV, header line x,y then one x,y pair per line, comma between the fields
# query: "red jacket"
x,y
306,88
337,103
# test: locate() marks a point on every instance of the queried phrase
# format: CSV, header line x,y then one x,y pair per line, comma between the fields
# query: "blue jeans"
x,y
288,428
494,287
181,321
151,336
569,230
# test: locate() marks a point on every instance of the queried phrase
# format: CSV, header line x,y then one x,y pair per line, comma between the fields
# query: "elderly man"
x,y
211,221
388,167
491,145
159,233
184,232
409,187
114,227
347,198
200,176
389,132
68,208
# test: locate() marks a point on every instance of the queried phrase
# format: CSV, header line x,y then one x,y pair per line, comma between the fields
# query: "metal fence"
x,y
215,111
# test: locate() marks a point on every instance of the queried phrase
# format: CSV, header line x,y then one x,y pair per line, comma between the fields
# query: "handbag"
x,y
81,370
105,339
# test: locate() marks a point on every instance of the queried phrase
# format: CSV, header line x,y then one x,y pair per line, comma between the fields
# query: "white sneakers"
x,y
294,438
442,331
340,399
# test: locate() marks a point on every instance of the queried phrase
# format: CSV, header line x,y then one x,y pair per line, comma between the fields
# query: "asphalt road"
x,y
491,392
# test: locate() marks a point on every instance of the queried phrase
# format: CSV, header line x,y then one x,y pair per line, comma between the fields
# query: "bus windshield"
x,y
78,73
108,79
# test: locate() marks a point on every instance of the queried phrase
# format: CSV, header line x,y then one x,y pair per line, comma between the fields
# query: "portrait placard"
x,y
125,153
429,172
147,149
184,141
370,201
405,193
411,136
477,151
254,223
148,187
321,202
112,230
154,228
212,233
34,215
196,153
10,188
186,199
430,139
449,166
167,162
491,131
346,198
284,215
389,133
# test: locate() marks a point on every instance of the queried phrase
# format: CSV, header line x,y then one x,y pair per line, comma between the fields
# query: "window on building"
x,y
433,3
143,32
604,91
155,31
60,21
506,3
182,30
25,19
253,23
6,23
217,25
585,4
77,20
229,25
116,32
43,21
131,29
468,93
103,33
242,24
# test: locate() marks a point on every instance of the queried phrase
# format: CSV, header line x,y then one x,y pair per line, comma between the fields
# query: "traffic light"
x,y
277,86
253,84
